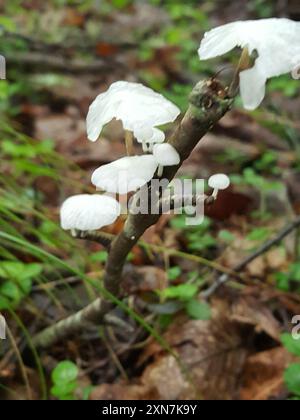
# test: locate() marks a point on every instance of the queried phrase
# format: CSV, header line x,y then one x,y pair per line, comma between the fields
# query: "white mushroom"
x,y
165,155
218,182
88,212
125,174
275,40
139,108
148,137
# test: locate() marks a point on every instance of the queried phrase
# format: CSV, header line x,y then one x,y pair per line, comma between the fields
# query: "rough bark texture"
x,y
208,104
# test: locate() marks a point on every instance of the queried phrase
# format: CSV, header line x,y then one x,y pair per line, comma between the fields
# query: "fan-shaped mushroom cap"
x,y
275,40
132,103
89,212
125,174
166,155
219,181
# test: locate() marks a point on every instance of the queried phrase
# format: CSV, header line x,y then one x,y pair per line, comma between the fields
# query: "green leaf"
x,y
11,291
17,270
64,373
174,273
198,310
199,242
4,303
63,389
292,378
32,270
182,292
258,234
291,344
167,308
165,320
87,392
295,272
100,256
283,281
226,236
178,222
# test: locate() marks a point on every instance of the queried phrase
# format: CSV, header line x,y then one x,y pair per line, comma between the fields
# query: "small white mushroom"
x,y
135,105
165,155
148,137
276,42
126,174
218,182
88,212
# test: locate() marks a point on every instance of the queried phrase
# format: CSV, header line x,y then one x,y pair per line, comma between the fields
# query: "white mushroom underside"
x,y
132,103
125,174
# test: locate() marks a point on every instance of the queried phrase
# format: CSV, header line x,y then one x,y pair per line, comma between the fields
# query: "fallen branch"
x,y
208,104
61,64
260,251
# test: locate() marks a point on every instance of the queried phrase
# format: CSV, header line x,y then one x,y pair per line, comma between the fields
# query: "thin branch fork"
x,y
208,104
224,278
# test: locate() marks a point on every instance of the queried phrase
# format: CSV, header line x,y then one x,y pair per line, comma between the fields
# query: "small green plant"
x,y
16,281
263,185
64,379
183,297
174,273
198,237
289,280
292,373
267,163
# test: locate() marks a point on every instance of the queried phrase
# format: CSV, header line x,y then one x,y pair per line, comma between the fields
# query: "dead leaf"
x,y
212,353
144,279
249,310
121,391
263,374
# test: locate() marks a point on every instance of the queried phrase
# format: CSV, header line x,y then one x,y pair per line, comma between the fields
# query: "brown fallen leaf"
x,y
121,391
144,279
212,353
263,374
250,310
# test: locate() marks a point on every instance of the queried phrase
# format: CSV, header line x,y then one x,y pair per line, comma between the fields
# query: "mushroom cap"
x,y
219,181
149,135
166,155
125,174
275,40
133,104
89,212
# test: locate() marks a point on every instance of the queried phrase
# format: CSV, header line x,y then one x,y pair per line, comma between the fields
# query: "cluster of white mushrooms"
x,y
142,111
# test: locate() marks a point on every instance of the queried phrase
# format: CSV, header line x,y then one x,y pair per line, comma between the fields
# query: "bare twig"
x,y
208,103
61,64
260,251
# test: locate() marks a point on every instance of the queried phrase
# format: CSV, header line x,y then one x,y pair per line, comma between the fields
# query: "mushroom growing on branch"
x,y
126,174
165,155
139,108
277,42
218,182
89,212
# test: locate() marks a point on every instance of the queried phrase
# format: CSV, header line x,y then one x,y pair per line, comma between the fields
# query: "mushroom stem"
x,y
215,193
129,142
145,147
244,64
160,170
